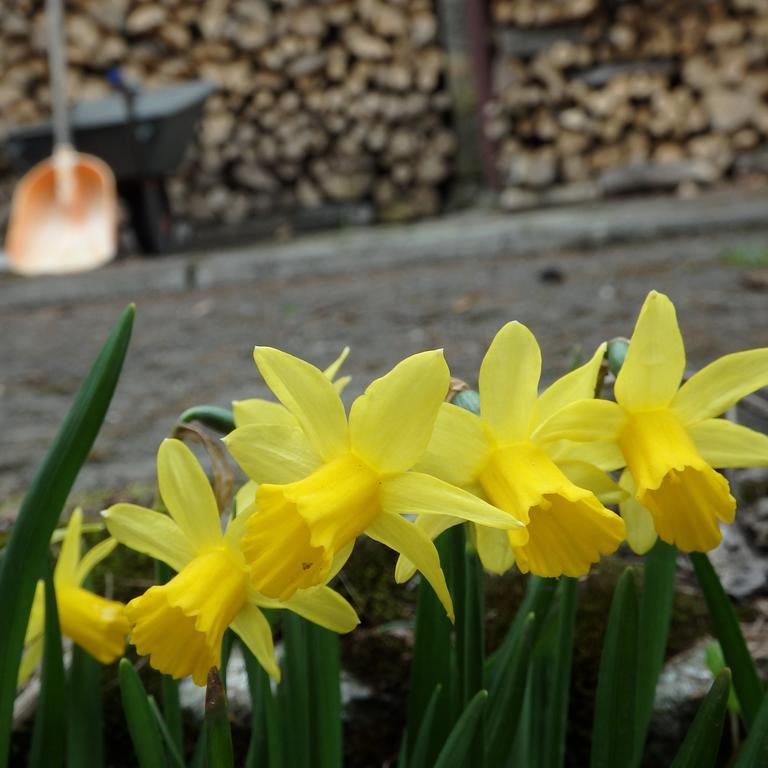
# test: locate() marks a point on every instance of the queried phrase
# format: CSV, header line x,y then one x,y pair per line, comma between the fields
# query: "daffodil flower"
x,y
329,479
180,625
501,456
668,435
96,624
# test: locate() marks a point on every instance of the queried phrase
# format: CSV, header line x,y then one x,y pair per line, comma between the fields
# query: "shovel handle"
x,y
57,66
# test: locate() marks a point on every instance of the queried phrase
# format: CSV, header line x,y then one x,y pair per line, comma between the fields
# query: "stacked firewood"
x,y
317,103
598,97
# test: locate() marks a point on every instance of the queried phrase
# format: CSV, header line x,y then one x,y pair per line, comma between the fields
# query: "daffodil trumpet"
x,y
324,479
667,433
96,624
180,624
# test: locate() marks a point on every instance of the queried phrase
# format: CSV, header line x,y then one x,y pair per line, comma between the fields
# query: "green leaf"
x,y
265,747
472,617
217,728
48,736
700,746
219,419
142,726
423,746
506,700
754,751
325,708
40,510
614,728
294,693
716,663
170,745
85,721
655,614
458,747
746,681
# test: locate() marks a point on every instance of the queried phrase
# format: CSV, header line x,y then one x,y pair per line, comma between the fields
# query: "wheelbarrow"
x,y
142,135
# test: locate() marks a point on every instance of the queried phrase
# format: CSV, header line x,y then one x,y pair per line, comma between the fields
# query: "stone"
x,y
730,110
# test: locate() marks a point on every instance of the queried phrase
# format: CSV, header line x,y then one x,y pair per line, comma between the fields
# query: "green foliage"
x,y
141,721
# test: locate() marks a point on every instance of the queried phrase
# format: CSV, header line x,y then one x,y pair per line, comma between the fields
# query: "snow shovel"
x,y
64,210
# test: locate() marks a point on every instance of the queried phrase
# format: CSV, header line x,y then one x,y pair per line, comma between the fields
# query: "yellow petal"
x,y
432,526
32,655
258,411
641,535
721,384
655,362
577,385
246,496
583,421
404,537
414,493
605,455
331,371
309,396
458,448
593,479
92,558
323,606
150,533
254,630
494,549
723,444
391,423
187,495
340,560
509,380
272,453
69,556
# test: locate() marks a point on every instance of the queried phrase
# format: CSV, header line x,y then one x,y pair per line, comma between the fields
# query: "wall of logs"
x,y
599,97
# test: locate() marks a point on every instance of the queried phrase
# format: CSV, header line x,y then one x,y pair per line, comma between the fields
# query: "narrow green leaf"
x,y
754,751
613,731
656,602
473,625
746,680
506,701
457,749
42,506
48,736
217,418
423,746
294,694
142,726
170,744
325,705
217,728
85,720
265,748
701,743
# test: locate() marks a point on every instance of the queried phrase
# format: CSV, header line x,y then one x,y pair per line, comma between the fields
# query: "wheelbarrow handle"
x,y
57,65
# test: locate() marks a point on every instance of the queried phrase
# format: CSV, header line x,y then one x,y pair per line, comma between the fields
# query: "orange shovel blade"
x,y
51,233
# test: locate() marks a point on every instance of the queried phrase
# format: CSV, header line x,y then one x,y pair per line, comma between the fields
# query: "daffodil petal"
x,y
340,560
585,475
414,493
149,532
509,380
246,495
391,423
655,362
259,411
272,453
397,533
32,655
92,558
641,533
458,448
66,565
432,526
579,384
723,444
331,371
721,384
494,549
323,606
605,455
583,421
187,494
308,394
254,630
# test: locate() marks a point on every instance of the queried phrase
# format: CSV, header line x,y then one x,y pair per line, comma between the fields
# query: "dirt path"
x,y
195,347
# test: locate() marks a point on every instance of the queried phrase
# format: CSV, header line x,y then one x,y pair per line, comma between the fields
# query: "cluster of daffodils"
x,y
531,473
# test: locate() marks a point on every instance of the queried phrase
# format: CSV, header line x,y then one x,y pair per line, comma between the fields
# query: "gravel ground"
x,y
192,347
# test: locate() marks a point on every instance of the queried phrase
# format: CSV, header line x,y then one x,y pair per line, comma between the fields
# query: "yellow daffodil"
x,y
257,411
96,624
180,625
328,479
668,435
501,456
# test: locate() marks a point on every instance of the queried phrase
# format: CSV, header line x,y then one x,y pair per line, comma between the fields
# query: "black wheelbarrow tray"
x,y
143,140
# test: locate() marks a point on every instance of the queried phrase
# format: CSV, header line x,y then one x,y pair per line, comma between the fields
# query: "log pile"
x,y
596,97
317,103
